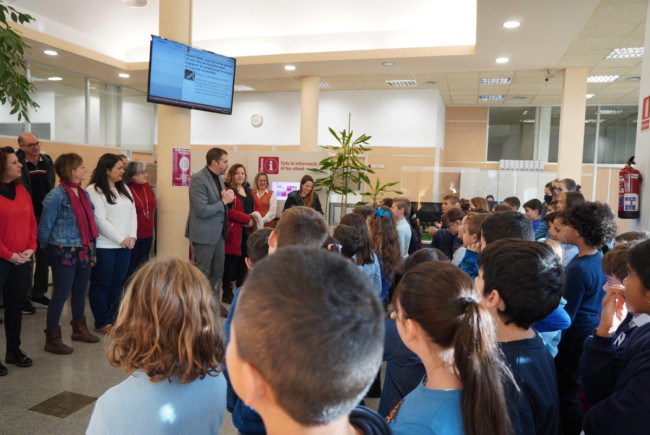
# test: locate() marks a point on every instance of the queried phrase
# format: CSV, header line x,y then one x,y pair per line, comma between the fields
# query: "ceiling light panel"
x,y
625,53
401,83
511,24
502,60
590,96
496,81
491,97
602,79
50,52
324,85
239,88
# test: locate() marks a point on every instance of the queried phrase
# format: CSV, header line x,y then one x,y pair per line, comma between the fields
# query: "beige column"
x,y
309,95
175,21
572,123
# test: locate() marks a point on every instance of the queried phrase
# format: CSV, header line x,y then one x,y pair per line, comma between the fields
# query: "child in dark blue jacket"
x,y
616,378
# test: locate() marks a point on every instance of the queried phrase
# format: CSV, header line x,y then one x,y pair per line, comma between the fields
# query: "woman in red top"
x,y
17,244
135,176
266,199
238,217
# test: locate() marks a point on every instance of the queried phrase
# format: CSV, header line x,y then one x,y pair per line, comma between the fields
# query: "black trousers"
x,y
39,271
14,281
567,366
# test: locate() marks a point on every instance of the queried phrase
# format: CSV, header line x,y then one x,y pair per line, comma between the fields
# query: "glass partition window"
x,y
511,133
616,133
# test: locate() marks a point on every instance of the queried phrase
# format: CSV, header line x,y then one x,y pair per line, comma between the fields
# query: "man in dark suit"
x,y
208,217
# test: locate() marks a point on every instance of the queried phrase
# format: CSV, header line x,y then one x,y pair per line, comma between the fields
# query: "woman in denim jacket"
x,y
68,230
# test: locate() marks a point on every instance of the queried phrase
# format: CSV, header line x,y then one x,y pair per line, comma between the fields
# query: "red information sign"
x,y
181,167
270,165
645,118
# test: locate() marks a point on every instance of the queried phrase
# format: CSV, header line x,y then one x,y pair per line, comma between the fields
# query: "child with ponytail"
x,y
439,318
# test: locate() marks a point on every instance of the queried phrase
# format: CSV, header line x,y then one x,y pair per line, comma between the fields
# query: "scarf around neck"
x,y
83,212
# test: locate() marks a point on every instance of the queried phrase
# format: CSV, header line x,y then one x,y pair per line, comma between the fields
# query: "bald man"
x,y
38,179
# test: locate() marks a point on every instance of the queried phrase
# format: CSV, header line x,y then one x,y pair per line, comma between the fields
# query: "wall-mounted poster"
x,y
181,167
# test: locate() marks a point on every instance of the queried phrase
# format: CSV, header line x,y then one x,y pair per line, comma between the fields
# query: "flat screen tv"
x,y
189,77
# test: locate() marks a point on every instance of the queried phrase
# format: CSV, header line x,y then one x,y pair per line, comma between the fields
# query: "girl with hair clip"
x,y
168,338
383,239
439,318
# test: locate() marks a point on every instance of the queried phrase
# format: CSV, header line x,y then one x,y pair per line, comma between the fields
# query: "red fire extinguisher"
x,y
629,190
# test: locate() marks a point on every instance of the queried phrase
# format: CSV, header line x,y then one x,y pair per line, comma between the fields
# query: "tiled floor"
x,y
85,372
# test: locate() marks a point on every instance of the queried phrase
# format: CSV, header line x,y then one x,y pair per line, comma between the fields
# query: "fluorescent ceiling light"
x,y
602,79
50,52
54,79
527,121
240,88
324,85
496,81
590,96
388,63
124,75
511,24
610,112
491,97
590,121
625,53
401,83
290,67
502,60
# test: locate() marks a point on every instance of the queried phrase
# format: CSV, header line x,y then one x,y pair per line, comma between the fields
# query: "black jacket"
x,y
294,199
49,167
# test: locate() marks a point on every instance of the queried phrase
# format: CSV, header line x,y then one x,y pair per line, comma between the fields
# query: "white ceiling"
x,y
554,34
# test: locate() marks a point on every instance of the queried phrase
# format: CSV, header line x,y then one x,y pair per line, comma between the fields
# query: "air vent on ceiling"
x,y
401,83
496,81
240,88
491,97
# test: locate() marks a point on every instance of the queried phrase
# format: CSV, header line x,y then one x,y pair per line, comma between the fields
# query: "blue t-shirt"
x,y
140,406
584,291
428,412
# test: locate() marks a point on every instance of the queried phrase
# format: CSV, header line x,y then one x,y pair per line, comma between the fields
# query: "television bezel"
x,y
187,104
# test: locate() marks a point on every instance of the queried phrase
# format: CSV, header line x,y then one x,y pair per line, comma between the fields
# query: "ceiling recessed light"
x,y
124,75
496,81
388,63
50,52
590,96
240,88
491,97
511,24
602,79
502,60
634,78
290,67
54,79
625,53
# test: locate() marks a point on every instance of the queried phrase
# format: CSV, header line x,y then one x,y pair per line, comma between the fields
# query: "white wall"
x,y
281,125
70,118
407,118
394,118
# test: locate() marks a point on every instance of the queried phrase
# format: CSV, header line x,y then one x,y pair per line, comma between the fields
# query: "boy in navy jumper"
x,y
306,341
615,369
589,226
521,283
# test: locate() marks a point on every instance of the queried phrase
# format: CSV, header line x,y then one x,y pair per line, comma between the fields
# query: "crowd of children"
x,y
510,323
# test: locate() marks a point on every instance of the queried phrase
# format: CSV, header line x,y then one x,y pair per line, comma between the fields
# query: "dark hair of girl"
x,y
442,300
100,178
309,199
384,239
356,220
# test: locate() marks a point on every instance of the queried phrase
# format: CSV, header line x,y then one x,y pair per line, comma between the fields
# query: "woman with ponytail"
x,y
439,318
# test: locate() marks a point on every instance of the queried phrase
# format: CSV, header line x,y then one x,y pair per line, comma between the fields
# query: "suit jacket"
x,y
207,220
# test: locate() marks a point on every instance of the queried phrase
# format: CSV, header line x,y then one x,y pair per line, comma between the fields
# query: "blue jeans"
x,y
139,254
106,281
67,279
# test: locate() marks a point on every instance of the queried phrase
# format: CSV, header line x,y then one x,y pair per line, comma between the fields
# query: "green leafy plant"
x,y
14,85
377,191
345,167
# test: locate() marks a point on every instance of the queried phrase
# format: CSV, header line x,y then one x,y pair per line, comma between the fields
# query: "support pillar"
x,y
572,124
175,23
309,96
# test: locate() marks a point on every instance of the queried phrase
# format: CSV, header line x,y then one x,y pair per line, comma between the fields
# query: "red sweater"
x,y
236,219
17,224
145,205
